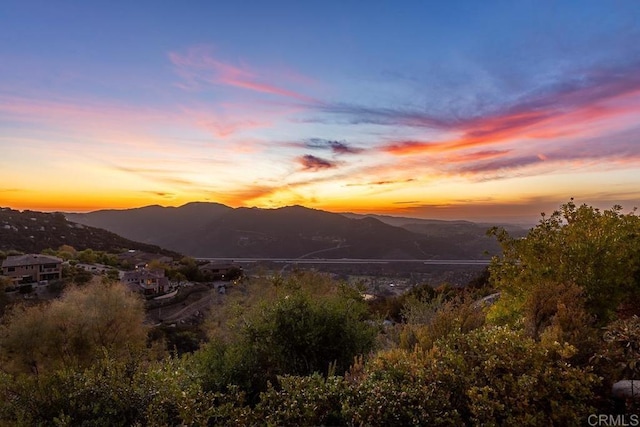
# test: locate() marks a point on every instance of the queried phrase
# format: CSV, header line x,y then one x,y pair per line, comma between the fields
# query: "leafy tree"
x,y
599,251
81,276
73,330
50,251
107,258
68,248
430,320
88,256
291,331
189,269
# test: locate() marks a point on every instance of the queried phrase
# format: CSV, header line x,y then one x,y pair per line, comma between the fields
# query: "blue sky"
x,y
475,110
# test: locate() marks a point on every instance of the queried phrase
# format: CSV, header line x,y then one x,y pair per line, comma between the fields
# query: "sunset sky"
x,y
476,110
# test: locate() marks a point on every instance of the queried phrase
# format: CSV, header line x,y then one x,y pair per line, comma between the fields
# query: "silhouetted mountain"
x,y
156,225
32,232
214,230
443,233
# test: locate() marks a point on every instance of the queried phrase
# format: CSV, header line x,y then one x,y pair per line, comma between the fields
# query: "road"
x,y
348,261
191,309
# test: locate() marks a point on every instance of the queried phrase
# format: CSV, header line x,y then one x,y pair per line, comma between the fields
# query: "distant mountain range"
x,y
214,230
32,232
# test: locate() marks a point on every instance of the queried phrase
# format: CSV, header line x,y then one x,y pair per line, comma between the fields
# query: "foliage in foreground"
x,y
493,375
598,251
299,351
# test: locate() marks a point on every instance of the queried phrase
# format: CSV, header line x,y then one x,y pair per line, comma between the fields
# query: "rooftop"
x,y
30,259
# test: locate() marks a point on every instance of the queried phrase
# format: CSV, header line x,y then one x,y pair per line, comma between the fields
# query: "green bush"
x,y
508,378
399,388
291,333
597,251
303,400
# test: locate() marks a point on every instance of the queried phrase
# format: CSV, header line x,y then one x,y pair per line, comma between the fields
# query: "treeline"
x,y
305,350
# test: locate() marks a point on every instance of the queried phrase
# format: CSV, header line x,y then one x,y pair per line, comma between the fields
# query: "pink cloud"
x,y
198,65
547,124
223,120
78,112
477,156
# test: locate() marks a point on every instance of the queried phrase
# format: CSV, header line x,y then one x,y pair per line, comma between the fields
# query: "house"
x,y
95,268
219,271
149,282
140,259
32,268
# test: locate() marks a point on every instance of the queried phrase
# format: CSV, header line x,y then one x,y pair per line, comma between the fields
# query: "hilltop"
x,y
31,231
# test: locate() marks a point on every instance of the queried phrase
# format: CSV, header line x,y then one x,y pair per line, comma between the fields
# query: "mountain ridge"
x,y
207,229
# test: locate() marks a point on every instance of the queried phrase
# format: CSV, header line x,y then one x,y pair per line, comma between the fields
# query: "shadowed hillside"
x,y
30,231
214,230
441,233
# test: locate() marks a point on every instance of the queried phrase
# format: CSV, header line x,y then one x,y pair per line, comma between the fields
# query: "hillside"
x,y
441,233
30,231
214,230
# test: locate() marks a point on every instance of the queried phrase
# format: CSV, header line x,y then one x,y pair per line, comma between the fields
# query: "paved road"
x,y
191,309
348,261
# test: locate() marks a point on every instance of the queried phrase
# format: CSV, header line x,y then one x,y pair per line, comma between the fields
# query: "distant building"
x,y
219,271
94,268
149,282
32,268
140,259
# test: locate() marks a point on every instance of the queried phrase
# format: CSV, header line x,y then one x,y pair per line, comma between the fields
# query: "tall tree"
x,y
85,324
599,251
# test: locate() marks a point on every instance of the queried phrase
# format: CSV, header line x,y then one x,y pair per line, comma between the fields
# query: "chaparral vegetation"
x,y
304,349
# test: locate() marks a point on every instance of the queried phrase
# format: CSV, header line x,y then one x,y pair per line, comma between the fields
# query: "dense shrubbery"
x,y
597,251
300,350
293,331
71,332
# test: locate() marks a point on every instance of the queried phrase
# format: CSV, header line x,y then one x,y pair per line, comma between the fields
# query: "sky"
x,y
472,110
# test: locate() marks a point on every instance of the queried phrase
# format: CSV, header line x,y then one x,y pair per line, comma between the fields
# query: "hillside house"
x,y
149,282
32,268
140,259
219,271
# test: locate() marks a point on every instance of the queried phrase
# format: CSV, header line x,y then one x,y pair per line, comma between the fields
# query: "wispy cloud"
x,y
224,120
477,156
166,176
337,147
162,194
78,111
616,149
349,113
198,66
381,182
548,113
